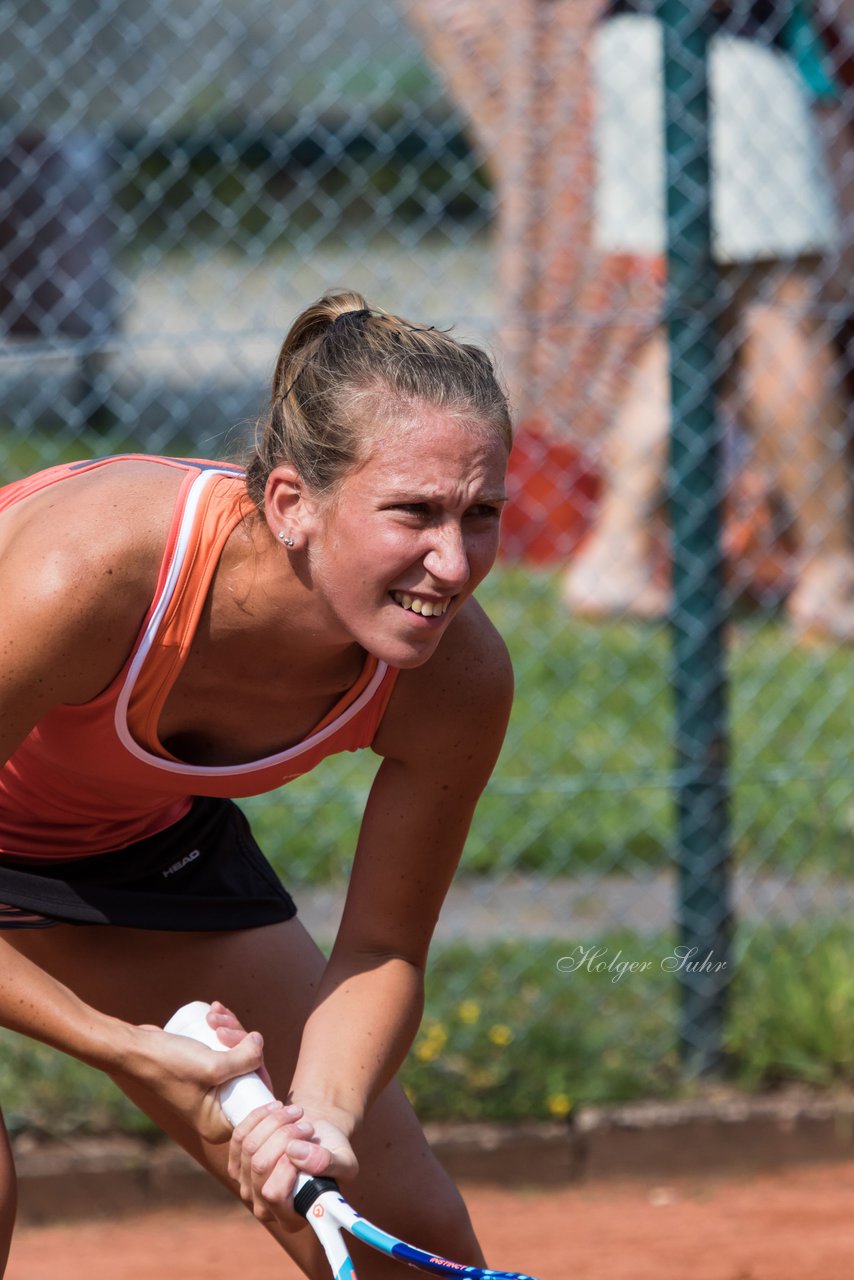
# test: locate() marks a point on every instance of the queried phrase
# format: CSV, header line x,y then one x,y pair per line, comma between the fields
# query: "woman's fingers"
x,y
228,1027
259,1144
308,1157
245,1057
251,1134
231,1032
272,1146
324,1151
263,1156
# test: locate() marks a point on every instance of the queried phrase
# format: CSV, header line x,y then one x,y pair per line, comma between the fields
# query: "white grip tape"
x,y
237,1097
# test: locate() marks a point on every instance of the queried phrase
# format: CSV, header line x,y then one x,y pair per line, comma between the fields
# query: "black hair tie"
x,y
352,317
346,317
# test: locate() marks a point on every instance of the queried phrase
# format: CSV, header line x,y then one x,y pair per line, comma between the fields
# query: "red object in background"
x,y
552,489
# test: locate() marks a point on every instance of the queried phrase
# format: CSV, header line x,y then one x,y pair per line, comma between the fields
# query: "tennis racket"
x,y
318,1199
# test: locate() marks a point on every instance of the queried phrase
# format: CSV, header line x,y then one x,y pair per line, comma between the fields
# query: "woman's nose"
x,y
447,560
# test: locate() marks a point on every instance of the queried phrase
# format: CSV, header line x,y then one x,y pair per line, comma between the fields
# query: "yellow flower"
x,y
500,1034
434,1040
559,1105
468,1011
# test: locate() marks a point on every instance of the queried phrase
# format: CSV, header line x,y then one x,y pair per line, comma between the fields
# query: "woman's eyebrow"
x,y
423,495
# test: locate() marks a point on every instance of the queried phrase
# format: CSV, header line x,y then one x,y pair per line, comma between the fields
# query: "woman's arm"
x,y
440,739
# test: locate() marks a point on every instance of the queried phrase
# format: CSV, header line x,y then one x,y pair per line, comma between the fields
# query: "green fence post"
x,y
695,490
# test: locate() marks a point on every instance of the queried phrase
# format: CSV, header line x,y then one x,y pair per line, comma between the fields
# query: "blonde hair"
x,y
346,364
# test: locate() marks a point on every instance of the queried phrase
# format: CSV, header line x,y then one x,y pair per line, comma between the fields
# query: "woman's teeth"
x,y
427,608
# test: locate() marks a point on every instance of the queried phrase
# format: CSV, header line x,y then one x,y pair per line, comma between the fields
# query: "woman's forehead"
x,y
429,430
434,450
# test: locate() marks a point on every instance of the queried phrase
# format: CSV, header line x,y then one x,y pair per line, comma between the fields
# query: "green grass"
x,y
793,1006
508,1035
589,750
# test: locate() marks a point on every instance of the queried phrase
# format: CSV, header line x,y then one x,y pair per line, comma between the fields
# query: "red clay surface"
x,y
795,1225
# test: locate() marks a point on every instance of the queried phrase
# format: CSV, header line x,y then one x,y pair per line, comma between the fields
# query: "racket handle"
x,y
237,1097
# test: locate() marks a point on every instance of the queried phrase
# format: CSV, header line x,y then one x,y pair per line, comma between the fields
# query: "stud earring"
x,y
289,542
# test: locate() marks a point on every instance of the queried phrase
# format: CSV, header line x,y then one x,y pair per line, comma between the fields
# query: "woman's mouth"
x,y
421,604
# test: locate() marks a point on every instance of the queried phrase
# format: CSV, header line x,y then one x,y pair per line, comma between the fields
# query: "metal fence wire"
x,y
178,180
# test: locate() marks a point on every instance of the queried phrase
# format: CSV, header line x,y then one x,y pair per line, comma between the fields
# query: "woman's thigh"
x,y
8,1196
268,977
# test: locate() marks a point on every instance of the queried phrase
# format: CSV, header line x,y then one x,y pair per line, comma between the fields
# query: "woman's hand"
x,y
276,1142
187,1075
272,1146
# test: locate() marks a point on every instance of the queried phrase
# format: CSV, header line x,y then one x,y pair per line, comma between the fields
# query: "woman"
x,y
183,633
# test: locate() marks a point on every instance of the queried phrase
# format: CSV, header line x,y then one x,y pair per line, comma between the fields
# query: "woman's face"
x,y
410,533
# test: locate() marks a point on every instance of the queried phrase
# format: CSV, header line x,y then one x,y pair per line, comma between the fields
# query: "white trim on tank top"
x,y
213,771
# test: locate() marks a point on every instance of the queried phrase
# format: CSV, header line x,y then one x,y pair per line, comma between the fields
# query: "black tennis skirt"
x,y
205,872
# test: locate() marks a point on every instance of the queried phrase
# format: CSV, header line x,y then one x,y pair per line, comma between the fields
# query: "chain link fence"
x,y
177,181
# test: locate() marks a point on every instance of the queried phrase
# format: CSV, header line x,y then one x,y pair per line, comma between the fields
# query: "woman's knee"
x,y
403,1187
442,1221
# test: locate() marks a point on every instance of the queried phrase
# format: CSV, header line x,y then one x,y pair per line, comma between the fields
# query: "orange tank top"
x,y
94,778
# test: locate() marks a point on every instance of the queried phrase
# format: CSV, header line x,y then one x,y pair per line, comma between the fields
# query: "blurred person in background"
x,y
505,68
775,225
835,21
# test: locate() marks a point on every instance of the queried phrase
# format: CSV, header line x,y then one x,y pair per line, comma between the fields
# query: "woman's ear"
x,y
289,507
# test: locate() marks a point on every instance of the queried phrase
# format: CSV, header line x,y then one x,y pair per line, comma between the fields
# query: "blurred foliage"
x,y
793,1006
266,187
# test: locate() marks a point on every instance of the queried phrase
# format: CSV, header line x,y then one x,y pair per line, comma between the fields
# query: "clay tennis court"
x,y
794,1225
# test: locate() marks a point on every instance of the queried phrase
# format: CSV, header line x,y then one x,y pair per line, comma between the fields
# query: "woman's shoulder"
x,y
92,516
80,559
474,650
462,694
